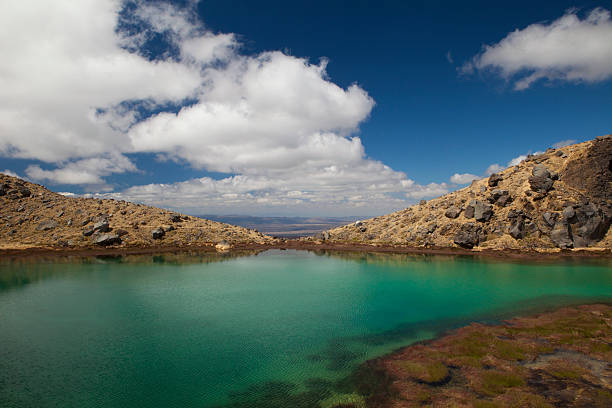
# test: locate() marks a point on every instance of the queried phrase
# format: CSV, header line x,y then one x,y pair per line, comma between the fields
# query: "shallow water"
x,y
282,328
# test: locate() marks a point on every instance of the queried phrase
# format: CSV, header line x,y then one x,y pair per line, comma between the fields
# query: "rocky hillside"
x,y
33,216
559,199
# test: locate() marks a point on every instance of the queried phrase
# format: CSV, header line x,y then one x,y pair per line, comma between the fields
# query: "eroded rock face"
x,y
591,173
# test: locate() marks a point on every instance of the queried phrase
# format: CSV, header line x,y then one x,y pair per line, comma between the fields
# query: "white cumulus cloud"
x,y
76,78
569,49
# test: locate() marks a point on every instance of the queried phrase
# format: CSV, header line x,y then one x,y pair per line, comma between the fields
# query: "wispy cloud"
x,y
568,49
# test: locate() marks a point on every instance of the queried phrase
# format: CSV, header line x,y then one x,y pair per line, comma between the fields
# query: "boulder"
x,y
517,228
88,231
468,235
482,211
452,212
47,225
469,212
4,188
504,200
589,225
175,218
561,235
550,218
500,197
167,228
494,179
496,194
121,232
101,226
106,239
569,213
158,233
540,180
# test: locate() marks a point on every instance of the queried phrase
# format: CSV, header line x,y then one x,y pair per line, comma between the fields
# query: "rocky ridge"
x,y
33,216
559,199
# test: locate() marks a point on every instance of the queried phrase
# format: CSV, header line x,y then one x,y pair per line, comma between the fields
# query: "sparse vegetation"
x,y
526,362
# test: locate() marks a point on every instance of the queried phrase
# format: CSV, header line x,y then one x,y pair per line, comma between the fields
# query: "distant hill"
x,y
33,216
559,199
284,227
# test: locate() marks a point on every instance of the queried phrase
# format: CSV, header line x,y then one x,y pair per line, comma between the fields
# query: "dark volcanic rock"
x,y
500,197
88,231
468,236
517,228
47,225
482,211
453,212
561,235
494,179
589,225
101,226
550,218
469,211
540,180
592,173
158,233
107,239
175,218
569,213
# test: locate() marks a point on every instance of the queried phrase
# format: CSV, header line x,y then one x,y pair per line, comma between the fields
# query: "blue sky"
x,y
278,108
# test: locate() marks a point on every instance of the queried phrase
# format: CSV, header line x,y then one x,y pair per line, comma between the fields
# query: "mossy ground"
x,y
556,359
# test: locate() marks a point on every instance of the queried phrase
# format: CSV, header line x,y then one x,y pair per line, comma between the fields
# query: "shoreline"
x,y
500,254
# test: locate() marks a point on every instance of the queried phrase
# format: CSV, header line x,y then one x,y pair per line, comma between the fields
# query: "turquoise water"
x,y
282,328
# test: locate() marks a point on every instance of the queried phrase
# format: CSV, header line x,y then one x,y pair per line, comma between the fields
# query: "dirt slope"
x,y
33,216
559,199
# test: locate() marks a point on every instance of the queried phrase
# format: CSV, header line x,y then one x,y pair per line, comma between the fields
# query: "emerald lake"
x,y
273,329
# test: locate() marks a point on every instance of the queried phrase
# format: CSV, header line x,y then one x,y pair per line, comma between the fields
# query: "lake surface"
x,y
279,329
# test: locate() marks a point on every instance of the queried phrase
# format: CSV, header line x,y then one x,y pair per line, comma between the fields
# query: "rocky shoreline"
x,y
17,252
559,358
